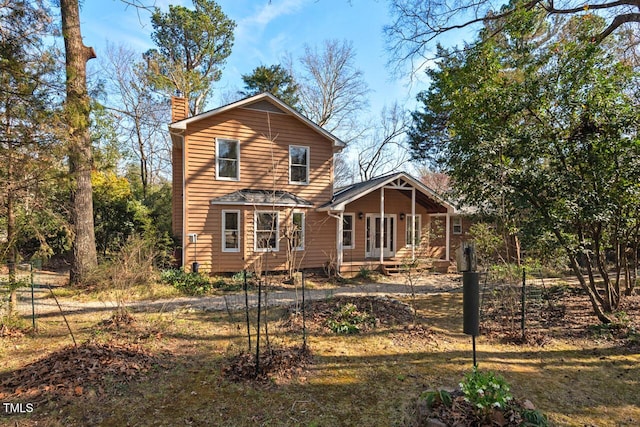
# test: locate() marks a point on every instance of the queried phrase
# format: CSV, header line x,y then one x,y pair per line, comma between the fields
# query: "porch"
x,y
383,222
393,266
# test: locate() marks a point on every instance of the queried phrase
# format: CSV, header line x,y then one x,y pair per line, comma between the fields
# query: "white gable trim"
x,y
182,124
393,182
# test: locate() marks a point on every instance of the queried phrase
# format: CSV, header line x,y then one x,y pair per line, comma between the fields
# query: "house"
x,y
253,188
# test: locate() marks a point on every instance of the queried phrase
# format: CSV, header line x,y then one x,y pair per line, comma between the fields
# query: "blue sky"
x,y
265,32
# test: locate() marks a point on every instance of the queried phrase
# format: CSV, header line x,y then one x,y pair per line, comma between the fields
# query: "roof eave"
x,y
415,183
182,124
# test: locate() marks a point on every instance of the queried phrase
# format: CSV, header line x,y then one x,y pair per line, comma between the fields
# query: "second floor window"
x,y
298,164
227,159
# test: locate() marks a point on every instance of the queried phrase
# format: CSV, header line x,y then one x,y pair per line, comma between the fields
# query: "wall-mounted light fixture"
x,y
360,215
401,217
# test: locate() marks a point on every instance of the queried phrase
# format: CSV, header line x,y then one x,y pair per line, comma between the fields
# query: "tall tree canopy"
x,y
274,79
193,45
544,125
27,132
417,24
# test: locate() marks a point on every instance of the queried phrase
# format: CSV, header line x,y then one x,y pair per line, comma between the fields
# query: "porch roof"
x,y
398,181
255,197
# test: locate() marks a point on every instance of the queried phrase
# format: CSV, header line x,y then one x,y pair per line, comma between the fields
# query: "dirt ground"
x,y
184,361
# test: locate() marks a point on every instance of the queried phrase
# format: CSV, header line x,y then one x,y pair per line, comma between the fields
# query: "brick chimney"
x,y
179,108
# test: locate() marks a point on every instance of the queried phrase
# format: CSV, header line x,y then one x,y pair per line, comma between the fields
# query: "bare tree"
x,y
418,24
141,115
343,170
437,181
332,91
383,149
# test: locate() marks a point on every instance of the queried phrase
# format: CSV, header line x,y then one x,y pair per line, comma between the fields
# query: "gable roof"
x,y
255,197
263,102
400,180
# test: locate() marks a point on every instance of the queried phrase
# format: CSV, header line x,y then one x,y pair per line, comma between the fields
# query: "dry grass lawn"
x,y
360,379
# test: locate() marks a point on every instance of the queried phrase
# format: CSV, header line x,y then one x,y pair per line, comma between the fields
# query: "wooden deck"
x,y
391,266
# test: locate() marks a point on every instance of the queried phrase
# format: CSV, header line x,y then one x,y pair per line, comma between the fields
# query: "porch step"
x,y
391,267
354,267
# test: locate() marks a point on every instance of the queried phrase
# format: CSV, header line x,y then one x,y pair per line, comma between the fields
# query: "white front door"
x,y
380,236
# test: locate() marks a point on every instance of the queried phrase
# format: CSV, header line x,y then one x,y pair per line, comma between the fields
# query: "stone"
x,y
433,422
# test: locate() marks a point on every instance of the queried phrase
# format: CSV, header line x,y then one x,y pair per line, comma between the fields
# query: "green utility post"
x,y
470,294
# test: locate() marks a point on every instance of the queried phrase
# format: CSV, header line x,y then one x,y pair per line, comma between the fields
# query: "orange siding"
x,y
437,229
394,203
264,164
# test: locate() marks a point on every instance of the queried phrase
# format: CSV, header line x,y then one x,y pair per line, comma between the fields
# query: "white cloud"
x,y
251,27
270,11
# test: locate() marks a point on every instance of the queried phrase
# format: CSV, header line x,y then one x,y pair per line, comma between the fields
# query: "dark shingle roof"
x,y
249,196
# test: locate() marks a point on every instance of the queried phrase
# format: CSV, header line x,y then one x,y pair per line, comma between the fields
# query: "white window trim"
x,y
456,221
303,231
226,178
224,229
418,227
276,232
306,182
353,230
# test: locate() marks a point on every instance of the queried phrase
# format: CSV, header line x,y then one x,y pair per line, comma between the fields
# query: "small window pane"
x,y
298,164
457,225
413,236
298,230
230,239
228,168
298,174
266,233
298,155
231,235
347,231
227,151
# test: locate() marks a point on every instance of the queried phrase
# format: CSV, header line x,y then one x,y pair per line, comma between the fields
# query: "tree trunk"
x,y
11,232
77,111
144,163
592,293
12,252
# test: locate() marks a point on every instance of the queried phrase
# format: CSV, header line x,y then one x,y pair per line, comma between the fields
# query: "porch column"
x,y
382,237
339,241
448,236
413,223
